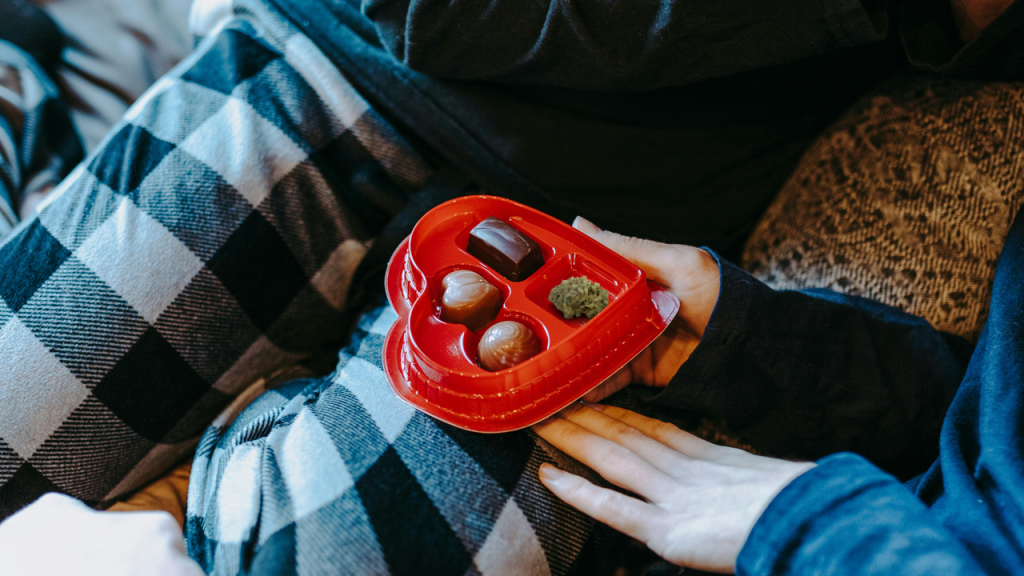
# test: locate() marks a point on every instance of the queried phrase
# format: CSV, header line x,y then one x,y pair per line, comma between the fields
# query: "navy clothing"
x,y
815,372
694,163
671,120
805,374
932,43
626,46
848,517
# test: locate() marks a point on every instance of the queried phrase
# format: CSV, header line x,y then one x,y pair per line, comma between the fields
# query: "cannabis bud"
x,y
579,297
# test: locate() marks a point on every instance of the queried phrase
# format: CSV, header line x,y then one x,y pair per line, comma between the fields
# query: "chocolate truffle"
x,y
506,344
505,249
469,300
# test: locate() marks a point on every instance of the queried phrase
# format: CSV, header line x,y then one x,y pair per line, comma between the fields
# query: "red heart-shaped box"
x,y
432,364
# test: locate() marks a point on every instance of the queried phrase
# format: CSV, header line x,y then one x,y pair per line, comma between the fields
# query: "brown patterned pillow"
x,y
907,199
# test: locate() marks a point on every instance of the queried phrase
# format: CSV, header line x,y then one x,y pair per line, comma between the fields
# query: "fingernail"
x,y
585,226
598,407
549,473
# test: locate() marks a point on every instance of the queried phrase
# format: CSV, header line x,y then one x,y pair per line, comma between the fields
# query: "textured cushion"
x,y
907,200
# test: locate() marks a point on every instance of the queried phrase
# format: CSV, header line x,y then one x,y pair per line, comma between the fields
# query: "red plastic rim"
x,y
431,364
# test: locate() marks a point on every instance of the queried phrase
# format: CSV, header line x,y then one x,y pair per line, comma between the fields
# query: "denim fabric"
x,y
848,517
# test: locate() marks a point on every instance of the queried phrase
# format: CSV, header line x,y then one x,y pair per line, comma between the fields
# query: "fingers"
x,y
690,273
627,515
655,258
668,353
617,381
615,463
653,366
665,433
586,226
657,454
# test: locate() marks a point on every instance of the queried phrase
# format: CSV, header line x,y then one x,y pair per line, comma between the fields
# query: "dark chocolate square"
x,y
507,250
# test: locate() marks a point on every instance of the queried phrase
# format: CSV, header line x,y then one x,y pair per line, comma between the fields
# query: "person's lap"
x,y
338,474
207,245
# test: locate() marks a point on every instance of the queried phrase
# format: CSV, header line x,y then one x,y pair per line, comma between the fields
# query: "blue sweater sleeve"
x,y
804,374
847,517
965,515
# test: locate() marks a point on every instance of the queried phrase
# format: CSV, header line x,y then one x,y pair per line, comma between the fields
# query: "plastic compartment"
x,y
570,266
432,364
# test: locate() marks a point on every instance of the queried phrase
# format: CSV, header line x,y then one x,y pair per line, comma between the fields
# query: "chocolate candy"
x,y
504,249
469,300
506,344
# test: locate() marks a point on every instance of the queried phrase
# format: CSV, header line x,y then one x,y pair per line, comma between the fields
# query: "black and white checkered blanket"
x,y
38,143
338,476
205,246
201,252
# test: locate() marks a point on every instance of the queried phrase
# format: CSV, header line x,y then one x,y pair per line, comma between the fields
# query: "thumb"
x,y
654,258
690,273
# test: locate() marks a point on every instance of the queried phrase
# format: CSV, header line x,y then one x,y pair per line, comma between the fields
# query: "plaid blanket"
x,y
206,245
188,265
38,144
338,476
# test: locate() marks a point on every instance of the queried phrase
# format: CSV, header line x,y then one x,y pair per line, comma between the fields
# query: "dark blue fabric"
x,y
625,46
933,43
809,373
30,28
805,374
671,120
848,517
694,164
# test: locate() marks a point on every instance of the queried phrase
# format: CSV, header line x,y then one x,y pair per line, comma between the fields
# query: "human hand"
x,y
702,500
60,535
689,273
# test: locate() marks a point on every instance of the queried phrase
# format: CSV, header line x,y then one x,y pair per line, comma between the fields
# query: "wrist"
x,y
697,287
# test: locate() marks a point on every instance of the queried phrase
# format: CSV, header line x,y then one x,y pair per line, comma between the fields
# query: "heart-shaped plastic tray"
x,y
432,364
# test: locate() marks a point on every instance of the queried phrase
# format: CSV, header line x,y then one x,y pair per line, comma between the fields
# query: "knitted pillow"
x,y
906,199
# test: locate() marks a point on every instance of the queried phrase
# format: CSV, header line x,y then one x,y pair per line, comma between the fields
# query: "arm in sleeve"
x,y
964,516
607,45
808,373
847,517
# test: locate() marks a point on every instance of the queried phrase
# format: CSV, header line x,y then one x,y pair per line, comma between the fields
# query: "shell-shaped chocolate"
x,y
506,344
469,300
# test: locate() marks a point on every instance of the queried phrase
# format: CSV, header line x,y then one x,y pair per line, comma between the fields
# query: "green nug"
x,y
579,297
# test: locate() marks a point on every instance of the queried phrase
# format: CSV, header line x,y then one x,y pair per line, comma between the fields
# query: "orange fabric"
x,y
168,493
